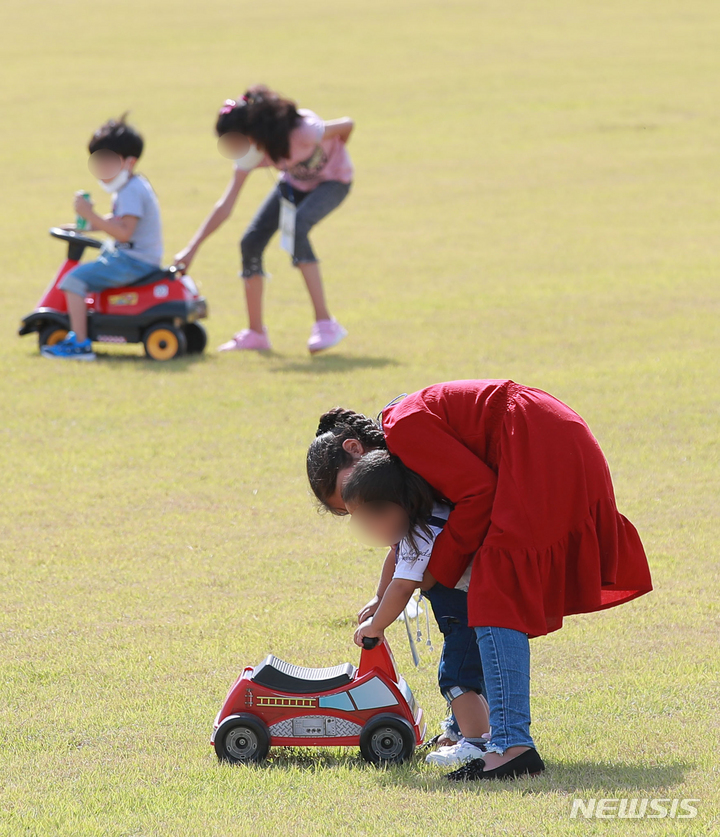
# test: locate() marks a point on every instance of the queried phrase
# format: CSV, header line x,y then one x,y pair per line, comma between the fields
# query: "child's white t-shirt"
x,y
411,564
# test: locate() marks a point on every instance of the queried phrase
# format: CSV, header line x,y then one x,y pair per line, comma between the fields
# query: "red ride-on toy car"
x,y
281,705
160,310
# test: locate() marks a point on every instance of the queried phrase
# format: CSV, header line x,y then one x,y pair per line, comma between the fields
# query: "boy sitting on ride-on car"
x,y
134,224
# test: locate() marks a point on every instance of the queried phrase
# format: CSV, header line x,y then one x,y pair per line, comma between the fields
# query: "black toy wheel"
x,y
242,740
387,739
51,335
163,341
196,337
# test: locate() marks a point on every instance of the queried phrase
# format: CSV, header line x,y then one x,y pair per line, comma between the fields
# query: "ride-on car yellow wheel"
x,y
52,335
164,342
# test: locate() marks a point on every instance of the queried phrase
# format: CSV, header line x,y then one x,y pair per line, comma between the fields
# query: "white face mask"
x,y
250,158
120,179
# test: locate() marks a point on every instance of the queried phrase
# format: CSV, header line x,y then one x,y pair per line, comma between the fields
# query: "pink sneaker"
x,y
247,339
325,334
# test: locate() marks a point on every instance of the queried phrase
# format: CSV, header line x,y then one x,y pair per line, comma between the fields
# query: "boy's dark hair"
x,y
116,135
379,477
264,116
326,456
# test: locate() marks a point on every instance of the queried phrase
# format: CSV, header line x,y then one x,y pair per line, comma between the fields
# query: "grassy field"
x,y
536,198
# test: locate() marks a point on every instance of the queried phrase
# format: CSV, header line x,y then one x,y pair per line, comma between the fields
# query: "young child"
x,y
393,505
134,225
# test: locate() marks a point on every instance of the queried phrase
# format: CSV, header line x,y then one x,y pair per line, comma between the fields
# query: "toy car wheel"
x,y
387,739
242,740
51,335
164,342
196,337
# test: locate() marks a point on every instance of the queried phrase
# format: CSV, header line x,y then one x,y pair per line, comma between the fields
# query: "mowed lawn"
x,y
536,198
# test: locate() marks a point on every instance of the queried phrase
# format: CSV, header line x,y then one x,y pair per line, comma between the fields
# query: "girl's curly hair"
x,y
264,116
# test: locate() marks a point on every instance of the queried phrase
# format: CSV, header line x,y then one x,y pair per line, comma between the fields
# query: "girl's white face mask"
x,y
249,159
114,185
240,149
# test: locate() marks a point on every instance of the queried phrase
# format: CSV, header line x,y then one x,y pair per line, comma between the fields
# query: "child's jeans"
x,y
460,669
311,208
113,268
505,656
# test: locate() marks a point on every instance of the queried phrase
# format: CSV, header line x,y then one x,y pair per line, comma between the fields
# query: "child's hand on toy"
x,y
83,206
366,629
184,258
368,610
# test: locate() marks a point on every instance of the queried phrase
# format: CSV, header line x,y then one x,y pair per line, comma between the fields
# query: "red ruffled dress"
x,y
534,503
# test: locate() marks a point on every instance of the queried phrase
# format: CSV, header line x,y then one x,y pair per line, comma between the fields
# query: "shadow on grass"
x,y
318,365
606,778
328,364
141,362
583,778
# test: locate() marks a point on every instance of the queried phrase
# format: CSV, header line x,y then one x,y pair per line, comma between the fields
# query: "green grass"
x,y
536,198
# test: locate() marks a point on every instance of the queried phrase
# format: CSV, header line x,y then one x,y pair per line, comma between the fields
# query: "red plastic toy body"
x,y
281,705
160,310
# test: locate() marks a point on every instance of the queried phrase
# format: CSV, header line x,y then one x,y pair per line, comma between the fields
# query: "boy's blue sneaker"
x,y
70,349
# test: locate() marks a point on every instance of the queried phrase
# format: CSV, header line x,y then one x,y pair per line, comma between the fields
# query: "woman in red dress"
x,y
533,505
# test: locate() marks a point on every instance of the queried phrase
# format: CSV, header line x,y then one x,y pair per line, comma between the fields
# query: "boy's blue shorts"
x,y
113,268
460,668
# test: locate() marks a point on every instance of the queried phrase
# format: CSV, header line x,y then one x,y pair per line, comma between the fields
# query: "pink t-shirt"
x,y
313,160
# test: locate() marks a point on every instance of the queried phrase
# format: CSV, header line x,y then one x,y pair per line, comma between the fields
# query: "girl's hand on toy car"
x,y
82,206
184,258
366,630
369,610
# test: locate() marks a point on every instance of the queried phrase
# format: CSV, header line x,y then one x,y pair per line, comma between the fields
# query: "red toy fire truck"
x,y
160,310
282,705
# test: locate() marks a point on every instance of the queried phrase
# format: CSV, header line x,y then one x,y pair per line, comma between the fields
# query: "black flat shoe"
x,y
527,763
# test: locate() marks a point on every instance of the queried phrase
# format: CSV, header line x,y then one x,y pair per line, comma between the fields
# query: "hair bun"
x,y
330,420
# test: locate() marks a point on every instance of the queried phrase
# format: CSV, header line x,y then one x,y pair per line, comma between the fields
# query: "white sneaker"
x,y
454,756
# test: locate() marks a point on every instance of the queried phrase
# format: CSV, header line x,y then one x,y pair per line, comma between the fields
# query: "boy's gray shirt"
x,y
137,198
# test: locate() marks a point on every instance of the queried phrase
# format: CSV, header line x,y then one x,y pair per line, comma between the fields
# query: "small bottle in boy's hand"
x,y
82,223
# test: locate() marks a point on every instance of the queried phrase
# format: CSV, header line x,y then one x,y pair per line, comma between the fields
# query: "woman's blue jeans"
x,y
505,657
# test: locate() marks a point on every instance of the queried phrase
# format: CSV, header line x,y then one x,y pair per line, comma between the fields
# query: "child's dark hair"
x,y
264,116
379,477
326,456
116,135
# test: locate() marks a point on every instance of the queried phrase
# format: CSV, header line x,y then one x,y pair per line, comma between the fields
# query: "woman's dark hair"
x,y
264,116
326,456
379,477
116,135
